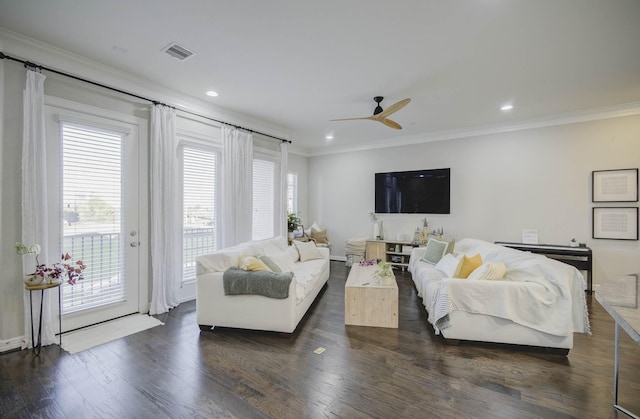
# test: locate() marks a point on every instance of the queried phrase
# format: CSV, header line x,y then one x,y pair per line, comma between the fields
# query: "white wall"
x,y
500,184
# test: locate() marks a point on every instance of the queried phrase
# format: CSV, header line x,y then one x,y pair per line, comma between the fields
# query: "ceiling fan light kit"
x,y
381,115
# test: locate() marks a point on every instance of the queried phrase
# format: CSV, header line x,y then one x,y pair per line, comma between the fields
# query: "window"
x,y
199,206
292,193
263,199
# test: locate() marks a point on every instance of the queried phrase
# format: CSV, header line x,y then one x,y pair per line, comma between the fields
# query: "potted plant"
x,y
55,273
292,224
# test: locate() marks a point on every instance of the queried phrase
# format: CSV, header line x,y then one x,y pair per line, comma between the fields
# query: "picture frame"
x,y
615,223
298,232
614,185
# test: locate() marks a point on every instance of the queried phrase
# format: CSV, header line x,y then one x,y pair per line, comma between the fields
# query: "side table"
x,y
619,297
42,287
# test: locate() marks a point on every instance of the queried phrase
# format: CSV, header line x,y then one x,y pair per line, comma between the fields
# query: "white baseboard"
x,y
11,344
339,258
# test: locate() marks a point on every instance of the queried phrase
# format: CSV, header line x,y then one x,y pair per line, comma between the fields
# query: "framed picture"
x,y
615,223
298,232
614,185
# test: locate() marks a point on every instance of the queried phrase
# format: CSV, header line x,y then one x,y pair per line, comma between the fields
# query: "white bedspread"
x,y
537,292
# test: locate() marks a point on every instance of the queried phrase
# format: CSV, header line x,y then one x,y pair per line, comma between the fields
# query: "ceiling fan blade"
x,y
393,108
352,119
393,124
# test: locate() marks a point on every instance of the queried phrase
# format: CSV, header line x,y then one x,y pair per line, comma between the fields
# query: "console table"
x,y
619,298
580,257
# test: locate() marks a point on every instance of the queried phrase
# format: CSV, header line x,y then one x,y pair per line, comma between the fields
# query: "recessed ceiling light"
x,y
329,137
506,108
212,93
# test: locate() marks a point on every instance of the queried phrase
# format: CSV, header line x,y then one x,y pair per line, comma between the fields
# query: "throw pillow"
x,y
283,260
434,251
307,250
469,264
320,236
271,264
251,263
450,246
449,265
314,226
294,256
489,270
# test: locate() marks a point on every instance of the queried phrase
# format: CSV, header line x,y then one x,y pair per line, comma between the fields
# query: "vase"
x,y
32,280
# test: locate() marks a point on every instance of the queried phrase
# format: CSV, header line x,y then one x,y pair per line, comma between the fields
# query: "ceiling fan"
x,y
381,115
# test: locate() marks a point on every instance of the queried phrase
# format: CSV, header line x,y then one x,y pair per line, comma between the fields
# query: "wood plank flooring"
x,y
176,371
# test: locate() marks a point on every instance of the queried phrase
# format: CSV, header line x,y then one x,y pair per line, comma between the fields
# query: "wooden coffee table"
x,y
367,303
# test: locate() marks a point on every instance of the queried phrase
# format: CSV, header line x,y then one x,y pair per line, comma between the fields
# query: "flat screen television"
x,y
413,192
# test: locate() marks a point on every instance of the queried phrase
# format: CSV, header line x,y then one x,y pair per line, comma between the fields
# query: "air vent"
x,y
178,51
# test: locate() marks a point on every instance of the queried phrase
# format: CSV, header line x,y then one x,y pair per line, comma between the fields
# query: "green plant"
x,y
292,222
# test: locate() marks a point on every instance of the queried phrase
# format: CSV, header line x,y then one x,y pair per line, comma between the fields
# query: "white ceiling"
x,y
298,64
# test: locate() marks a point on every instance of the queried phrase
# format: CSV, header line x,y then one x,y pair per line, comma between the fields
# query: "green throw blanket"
x,y
237,281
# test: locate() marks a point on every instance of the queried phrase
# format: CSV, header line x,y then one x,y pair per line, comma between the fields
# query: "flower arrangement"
x,y
367,262
384,270
56,272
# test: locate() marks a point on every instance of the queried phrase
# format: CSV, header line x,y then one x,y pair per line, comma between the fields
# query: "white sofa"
x,y
539,302
258,312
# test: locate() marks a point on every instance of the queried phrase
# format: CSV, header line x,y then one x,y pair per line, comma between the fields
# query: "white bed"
x,y
540,301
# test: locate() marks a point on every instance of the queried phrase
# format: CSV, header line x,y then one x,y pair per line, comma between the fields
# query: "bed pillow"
x,y
468,265
434,251
489,270
251,263
307,250
449,265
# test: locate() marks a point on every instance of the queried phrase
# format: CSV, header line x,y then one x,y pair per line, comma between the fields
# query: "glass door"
x,y
99,222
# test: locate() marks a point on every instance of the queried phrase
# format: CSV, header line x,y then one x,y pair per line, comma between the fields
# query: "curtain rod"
x,y
124,92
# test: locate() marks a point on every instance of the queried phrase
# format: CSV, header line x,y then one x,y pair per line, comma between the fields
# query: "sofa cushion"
x,y
468,265
489,270
307,250
449,265
219,261
294,256
434,251
306,275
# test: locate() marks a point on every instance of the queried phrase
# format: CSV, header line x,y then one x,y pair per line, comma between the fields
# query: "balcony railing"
x,y
103,281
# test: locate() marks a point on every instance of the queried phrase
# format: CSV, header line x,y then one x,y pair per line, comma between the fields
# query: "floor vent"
x,y
178,51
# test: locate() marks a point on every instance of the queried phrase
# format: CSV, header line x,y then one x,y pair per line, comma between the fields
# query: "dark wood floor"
x,y
177,371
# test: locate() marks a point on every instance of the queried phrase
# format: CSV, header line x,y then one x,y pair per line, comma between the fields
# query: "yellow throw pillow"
x,y
320,236
468,265
250,263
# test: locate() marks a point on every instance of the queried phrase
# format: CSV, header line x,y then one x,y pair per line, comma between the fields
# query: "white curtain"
x,y
281,209
166,211
237,186
35,207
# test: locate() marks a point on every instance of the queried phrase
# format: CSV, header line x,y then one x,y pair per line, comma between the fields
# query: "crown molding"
x,y
585,115
47,55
